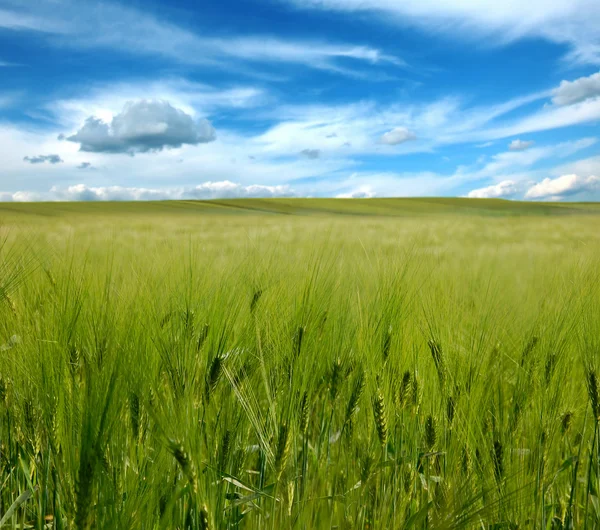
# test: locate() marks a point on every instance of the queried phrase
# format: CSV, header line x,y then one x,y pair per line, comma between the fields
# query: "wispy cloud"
x,y
128,30
548,118
570,22
23,20
515,161
371,128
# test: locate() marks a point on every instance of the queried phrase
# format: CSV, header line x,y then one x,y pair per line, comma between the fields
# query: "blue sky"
x,y
350,98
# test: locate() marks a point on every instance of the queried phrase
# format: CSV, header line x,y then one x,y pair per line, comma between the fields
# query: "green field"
x,y
306,364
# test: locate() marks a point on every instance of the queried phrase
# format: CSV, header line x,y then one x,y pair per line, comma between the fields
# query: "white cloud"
x,y
506,188
397,136
316,54
563,186
206,190
570,92
362,192
571,22
142,126
520,145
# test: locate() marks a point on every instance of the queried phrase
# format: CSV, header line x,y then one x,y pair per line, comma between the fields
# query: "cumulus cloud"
x,y
506,188
396,136
312,154
520,145
563,186
570,92
142,126
84,165
51,159
207,190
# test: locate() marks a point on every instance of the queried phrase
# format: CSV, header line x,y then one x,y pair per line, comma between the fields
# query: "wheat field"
x,y
300,364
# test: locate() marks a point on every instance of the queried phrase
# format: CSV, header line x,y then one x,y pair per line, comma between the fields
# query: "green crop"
x,y
300,364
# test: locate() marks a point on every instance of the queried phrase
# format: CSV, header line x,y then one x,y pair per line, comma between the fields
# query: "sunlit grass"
x,y
300,364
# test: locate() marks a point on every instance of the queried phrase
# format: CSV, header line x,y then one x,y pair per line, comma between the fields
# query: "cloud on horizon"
x,y
502,190
208,190
549,189
563,186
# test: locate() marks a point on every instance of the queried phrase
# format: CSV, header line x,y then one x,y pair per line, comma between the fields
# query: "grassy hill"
x,y
354,207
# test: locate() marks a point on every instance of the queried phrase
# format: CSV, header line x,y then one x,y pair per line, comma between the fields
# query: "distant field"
x,y
300,363
388,207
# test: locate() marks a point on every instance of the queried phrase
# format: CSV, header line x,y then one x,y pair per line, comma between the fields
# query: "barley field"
x,y
300,364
